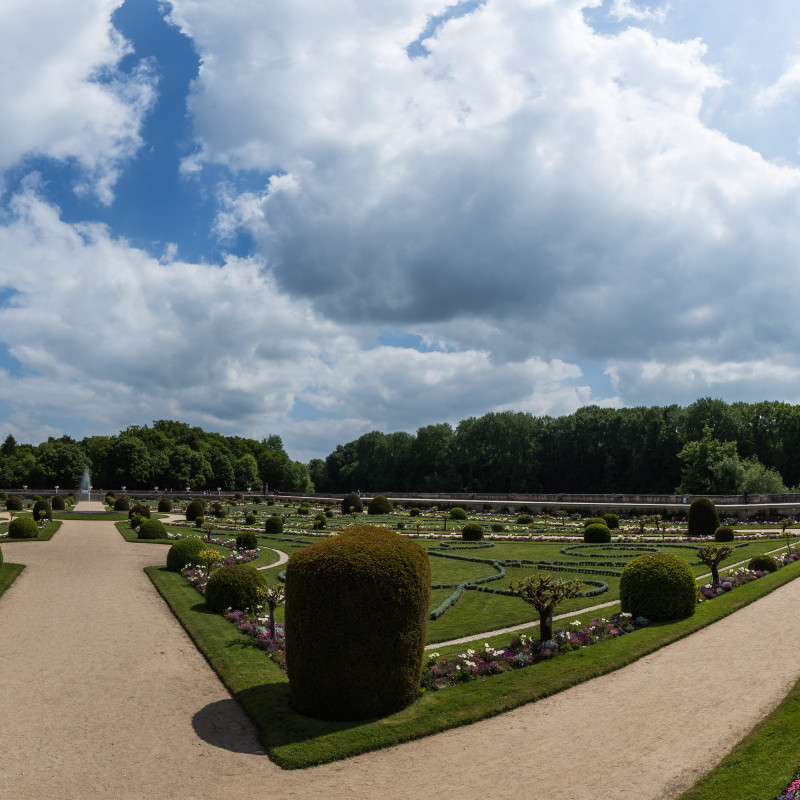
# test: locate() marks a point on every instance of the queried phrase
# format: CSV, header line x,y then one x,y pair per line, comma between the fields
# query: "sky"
x,y
317,219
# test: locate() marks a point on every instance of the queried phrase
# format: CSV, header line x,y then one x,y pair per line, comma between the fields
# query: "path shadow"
x,y
221,724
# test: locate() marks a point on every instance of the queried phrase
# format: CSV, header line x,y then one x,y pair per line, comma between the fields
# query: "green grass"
x,y
294,741
91,515
45,534
762,764
8,574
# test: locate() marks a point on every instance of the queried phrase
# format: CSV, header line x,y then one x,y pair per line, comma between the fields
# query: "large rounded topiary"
x,y
235,586
724,533
184,552
658,586
524,519
593,521
39,506
273,524
246,541
356,617
703,517
14,503
57,503
139,510
165,505
23,528
597,533
458,513
472,532
194,510
152,529
352,502
763,562
122,504
379,505
611,520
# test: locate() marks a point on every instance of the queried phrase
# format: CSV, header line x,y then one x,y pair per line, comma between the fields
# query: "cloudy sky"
x,y
318,218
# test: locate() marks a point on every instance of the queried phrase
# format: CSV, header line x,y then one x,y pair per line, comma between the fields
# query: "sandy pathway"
x,y
103,695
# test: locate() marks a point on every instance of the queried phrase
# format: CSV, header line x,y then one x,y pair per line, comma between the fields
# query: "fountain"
x,y
86,485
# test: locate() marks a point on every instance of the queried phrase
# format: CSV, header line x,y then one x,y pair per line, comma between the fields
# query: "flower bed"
x,y
793,791
523,651
741,576
257,628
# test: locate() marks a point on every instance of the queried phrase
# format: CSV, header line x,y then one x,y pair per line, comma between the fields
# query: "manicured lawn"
x,y
295,741
8,574
45,534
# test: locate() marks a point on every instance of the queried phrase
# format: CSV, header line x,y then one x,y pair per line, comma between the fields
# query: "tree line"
x,y
709,446
170,455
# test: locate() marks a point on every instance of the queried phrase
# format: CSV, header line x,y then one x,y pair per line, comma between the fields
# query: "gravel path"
x,y
103,695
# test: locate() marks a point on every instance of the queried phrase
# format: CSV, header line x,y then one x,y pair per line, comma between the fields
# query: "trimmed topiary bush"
x,y
458,513
611,521
320,522
356,618
110,499
414,512
140,511
658,586
352,502
42,505
524,519
763,562
122,504
152,529
703,517
273,524
184,552
246,541
14,503
194,510
472,532
498,527
250,518
597,533
165,505
593,521
379,505
235,586
328,512
724,533
218,510
57,503
23,528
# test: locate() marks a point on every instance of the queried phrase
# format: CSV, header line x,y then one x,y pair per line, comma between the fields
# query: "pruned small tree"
x,y
786,525
272,597
207,558
712,556
545,595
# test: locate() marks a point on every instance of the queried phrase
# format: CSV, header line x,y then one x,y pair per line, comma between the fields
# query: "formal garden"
x,y
582,596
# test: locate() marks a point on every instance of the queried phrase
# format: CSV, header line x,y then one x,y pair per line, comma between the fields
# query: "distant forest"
x,y
708,447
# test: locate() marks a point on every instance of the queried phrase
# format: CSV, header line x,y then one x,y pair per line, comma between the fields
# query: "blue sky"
x,y
319,219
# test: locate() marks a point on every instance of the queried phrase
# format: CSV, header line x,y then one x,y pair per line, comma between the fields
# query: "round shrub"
x,y
320,522
23,528
250,518
703,517
246,541
218,510
328,512
658,586
472,532
200,521
498,527
458,513
42,505
303,509
122,504
593,521
3,496
763,562
379,505
611,521
14,503
724,533
110,498
401,526
57,503
165,505
194,510
152,529
414,512
139,510
184,552
135,521
524,519
238,496
234,586
597,533
356,618
352,502
273,524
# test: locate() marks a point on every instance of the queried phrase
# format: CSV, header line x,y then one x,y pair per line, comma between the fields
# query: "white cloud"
x,y
627,9
783,89
61,95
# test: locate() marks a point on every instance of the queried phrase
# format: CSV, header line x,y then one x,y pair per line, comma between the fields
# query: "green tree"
x,y
545,595
246,470
712,556
704,470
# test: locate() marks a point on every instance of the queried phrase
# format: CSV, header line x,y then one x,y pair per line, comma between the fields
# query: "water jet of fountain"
x,y
86,484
